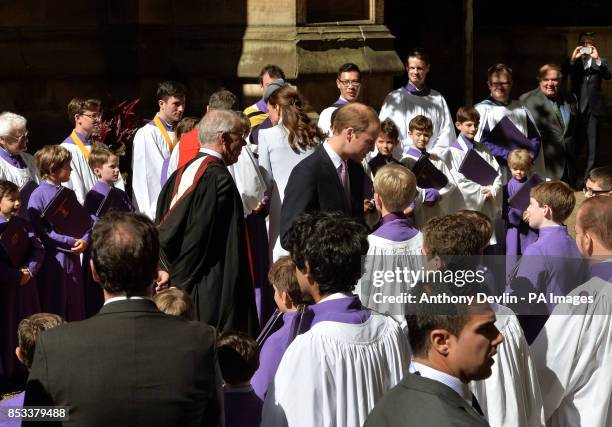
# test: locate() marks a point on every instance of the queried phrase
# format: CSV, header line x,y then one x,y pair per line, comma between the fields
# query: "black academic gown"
x,y
203,244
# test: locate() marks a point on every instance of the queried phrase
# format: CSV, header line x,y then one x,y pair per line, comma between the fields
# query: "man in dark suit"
x,y
130,364
452,345
587,69
332,178
555,115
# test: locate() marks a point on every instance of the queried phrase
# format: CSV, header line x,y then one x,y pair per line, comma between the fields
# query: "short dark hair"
x,y
482,223
389,128
80,105
348,68
421,123
422,318
454,238
468,114
28,331
222,100
420,53
125,252
273,71
334,246
238,357
499,69
7,187
586,34
171,88
602,176
185,125
558,196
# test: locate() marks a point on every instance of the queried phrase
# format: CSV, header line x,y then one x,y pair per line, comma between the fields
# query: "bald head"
x,y
594,226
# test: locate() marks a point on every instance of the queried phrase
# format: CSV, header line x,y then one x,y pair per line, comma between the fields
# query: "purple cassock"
x,y
395,227
14,402
94,297
17,302
550,265
518,233
60,281
242,407
379,161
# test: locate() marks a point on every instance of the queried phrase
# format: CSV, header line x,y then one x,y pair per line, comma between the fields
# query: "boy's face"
x,y
467,129
537,213
89,121
519,173
63,173
278,299
109,172
10,204
420,138
385,145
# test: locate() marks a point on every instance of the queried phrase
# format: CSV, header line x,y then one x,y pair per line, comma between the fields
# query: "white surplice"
x,y
82,177
334,374
471,192
18,176
150,152
573,357
511,396
401,107
248,179
387,255
450,199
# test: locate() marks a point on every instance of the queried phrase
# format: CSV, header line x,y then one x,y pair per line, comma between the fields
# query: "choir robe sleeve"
x,y
37,254
573,367
511,396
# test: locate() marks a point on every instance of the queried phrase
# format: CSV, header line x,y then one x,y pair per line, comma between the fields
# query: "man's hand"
x,y
79,246
575,54
408,211
595,55
259,207
162,281
25,278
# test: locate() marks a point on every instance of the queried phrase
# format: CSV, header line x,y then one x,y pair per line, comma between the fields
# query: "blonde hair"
x,y
51,158
520,159
396,186
175,302
558,196
99,156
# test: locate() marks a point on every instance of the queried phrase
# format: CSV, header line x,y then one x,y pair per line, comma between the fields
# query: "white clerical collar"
x,y
455,383
122,298
335,158
337,295
211,152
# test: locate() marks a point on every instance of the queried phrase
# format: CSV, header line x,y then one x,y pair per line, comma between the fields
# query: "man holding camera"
x,y
587,69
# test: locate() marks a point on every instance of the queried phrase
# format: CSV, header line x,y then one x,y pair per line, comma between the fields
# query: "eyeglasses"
x,y
499,84
589,192
18,138
93,117
348,83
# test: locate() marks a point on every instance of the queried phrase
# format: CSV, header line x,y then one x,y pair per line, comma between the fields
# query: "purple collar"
x,y
167,125
342,310
395,227
498,103
340,102
262,105
3,219
81,137
555,229
415,152
13,159
603,270
391,217
412,89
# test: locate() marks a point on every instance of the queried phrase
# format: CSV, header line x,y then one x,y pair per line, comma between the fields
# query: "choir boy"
x,y
60,281
153,144
238,359
478,196
396,243
551,266
572,353
85,116
288,298
436,201
518,233
311,386
386,142
18,292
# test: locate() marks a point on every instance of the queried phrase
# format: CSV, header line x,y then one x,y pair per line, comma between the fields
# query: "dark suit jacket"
x,y
314,185
129,365
557,138
418,401
592,87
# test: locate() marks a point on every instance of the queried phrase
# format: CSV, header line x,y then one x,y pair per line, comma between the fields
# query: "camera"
x,y
586,50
